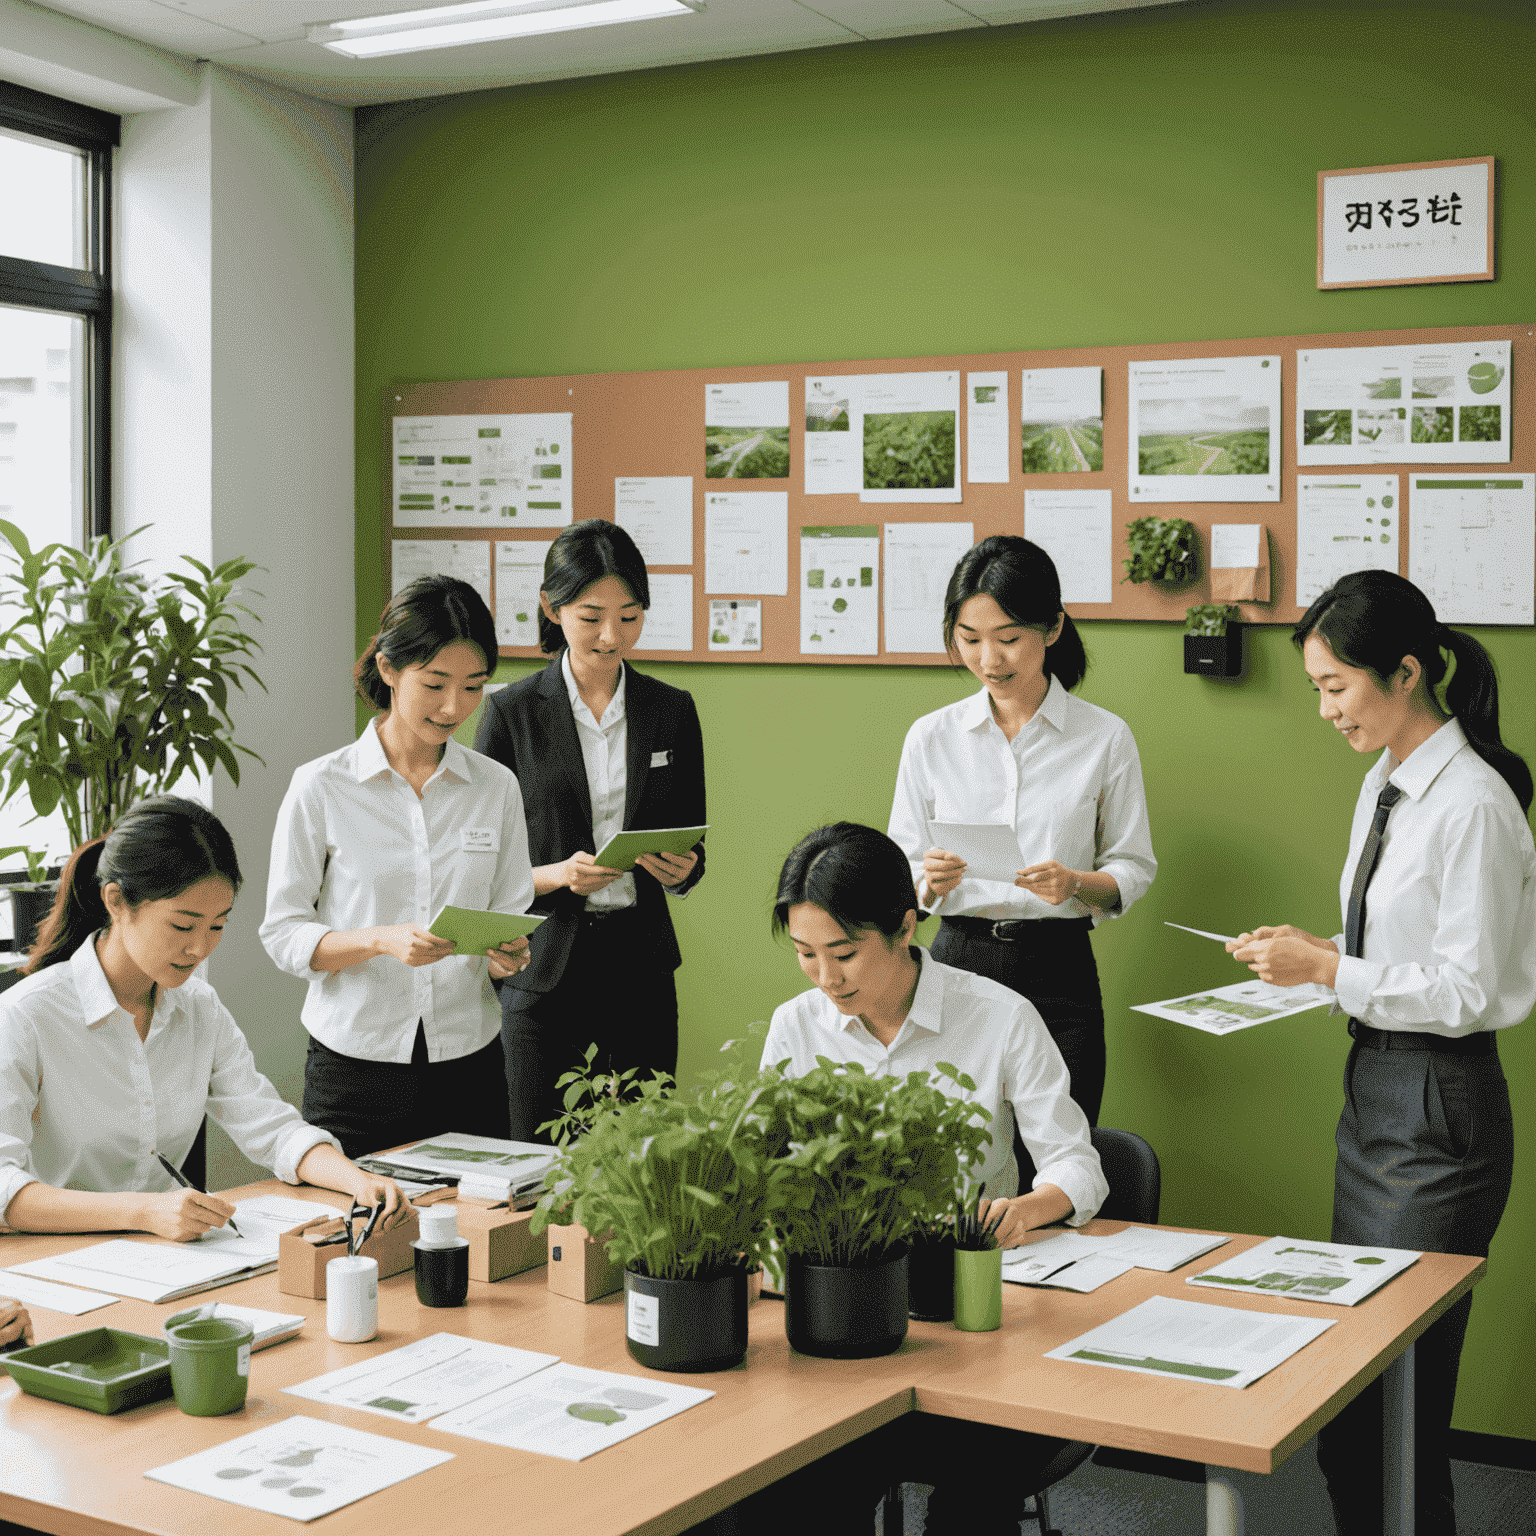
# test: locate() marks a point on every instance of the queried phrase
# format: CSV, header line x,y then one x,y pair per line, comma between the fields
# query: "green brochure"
x,y
623,848
476,932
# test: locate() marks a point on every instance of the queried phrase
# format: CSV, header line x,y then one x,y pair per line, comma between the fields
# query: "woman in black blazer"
x,y
597,748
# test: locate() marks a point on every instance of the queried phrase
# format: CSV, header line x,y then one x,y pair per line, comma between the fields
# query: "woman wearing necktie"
x,y
1437,955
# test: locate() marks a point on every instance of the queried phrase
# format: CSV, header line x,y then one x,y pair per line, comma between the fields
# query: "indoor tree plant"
x,y
112,686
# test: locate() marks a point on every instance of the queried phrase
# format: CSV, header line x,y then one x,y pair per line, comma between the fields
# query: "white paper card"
x,y
1472,546
840,590
919,559
1224,1010
986,428
1344,523
669,619
656,511
1076,529
991,852
519,575
735,624
467,559
746,430
1399,225
1235,546
746,542
483,471
1061,413
1304,1270
71,1300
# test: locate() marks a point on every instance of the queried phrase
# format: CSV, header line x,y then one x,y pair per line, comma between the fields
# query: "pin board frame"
x,y
652,424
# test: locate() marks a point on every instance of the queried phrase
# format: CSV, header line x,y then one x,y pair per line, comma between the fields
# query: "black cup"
x,y
442,1275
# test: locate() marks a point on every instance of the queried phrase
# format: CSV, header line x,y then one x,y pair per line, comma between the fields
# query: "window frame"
x,y
82,291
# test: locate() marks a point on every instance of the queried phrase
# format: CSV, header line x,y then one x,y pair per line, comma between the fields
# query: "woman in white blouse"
x,y
1438,954
371,843
112,1051
1063,775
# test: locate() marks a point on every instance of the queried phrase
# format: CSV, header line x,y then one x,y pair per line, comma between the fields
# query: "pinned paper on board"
x,y
1239,563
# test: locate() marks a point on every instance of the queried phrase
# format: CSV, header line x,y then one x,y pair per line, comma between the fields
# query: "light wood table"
x,y
71,1473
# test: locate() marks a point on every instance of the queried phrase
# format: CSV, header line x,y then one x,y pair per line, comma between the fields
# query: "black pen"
x,y
352,1215
187,1183
378,1211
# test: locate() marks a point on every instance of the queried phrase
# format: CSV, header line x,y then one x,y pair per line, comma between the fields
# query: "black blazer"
x,y
529,727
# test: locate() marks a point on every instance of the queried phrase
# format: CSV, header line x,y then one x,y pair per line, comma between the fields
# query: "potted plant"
x,y
677,1181
1163,549
1213,640
112,687
868,1160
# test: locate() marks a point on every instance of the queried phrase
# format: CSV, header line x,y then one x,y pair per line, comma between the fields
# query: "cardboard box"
x,y
500,1243
579,1266
303,1253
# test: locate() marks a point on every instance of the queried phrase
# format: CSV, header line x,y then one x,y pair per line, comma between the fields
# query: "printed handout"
x,y
669,620
261,1221
986,428
735,624
656,511
746,431
1191,1341
1205,429
1472,546
919,558
840,590
519,575
461,1154
1076,529
152,1272
71,1300
746,543
1071,1261
1224,1010
834,459
467,559
908,423
1305,1270
1426,403
1344,523
483,471
1061,413
990,850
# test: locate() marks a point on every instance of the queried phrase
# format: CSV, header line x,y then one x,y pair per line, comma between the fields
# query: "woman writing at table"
x,y
370,843
112,1050
599,748
1437,955
1062,774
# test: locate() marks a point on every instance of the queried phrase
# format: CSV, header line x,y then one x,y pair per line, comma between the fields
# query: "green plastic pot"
x,y
210,1365
978,1290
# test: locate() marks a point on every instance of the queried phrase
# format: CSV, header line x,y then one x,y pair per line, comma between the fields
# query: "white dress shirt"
x,y
604,744
986,1032
85,1104
1069,784
356,847
1449,945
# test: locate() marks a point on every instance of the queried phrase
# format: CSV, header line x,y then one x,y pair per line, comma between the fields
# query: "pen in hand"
x,y
378,1211
187,1183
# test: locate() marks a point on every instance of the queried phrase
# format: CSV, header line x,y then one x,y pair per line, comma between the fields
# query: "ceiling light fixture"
x,y
482,21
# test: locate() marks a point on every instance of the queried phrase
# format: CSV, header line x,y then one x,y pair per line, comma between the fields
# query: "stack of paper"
x,y
1309,1271
497,1169
150,1271
1074,1262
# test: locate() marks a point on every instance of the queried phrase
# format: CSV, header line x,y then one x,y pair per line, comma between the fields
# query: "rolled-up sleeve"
x,y
20,1077
291,931
1051,1125
1124,832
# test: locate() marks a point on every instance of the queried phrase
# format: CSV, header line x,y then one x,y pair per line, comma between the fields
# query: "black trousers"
x,y
615,994
1426,1152
370,1105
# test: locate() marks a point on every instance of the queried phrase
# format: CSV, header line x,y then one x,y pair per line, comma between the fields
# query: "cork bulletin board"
x,y
652,424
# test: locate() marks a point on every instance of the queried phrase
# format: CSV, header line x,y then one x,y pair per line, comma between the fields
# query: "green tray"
x,y
103,1369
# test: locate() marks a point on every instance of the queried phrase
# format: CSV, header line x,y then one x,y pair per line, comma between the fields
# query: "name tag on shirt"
x,y
661,759
480,840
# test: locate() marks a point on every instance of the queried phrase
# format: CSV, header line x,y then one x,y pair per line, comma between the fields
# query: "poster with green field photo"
x,y
1062,417
746,431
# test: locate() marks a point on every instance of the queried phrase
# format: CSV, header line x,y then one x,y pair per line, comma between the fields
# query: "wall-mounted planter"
x,y
1215,655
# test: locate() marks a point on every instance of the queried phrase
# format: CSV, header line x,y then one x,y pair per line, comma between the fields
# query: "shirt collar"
x,y
615,710
927,1003
977,710
94,992
1422,766
369,760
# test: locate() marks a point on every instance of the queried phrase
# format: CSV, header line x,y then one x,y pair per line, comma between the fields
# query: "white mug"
x,y
352,1299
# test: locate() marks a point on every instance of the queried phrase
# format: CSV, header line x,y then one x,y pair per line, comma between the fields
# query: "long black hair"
x,y
1021,579
1375,619
856,875
158,848
583,554
417,622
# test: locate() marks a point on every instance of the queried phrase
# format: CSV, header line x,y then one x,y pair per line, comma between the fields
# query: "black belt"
x,y
1010,930
1481,1044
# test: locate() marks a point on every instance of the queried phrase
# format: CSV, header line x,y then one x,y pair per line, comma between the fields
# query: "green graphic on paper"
x,y
1174,1367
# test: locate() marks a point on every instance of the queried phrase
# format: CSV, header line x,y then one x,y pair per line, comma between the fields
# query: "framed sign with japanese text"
x,y
1383,225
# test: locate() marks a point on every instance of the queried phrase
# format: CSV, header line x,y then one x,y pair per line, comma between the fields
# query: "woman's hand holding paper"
x,y
1286,956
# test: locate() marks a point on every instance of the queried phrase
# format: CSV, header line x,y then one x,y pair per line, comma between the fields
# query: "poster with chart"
x,y
1062,417
840,590
1344,523
483,471
746,542
1472,546
746,431
1076,529
919,558
1441,404
986,428
1205,429
519,575
467,559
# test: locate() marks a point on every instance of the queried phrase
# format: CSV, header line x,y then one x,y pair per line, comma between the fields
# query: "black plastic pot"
x,y
686,1325
931,1280
851,1312
1215,655
30,906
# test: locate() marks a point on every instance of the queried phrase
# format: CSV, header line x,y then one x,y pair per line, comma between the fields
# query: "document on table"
x,y
669,620
68,1299
1472,547
1036,1261
1223,1010
1205,429
519,575
151,1271
1424,403
840,590
1309,1271
467,559
301,1468
919,558
746,431
1079,1263
1151,1248
483,471
657,513
1190,1341
986,428
1061,412
461,1155
1344,523
262,1220
991,852
570,1411
1075,528
735,624
423,1379
746,542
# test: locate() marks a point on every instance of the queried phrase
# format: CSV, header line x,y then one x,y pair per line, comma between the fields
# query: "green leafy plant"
x,y
1209,618
1162,549
111,686
37,861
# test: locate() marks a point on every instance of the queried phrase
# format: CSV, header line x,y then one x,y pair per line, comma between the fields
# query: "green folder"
x,y
475,932
623,848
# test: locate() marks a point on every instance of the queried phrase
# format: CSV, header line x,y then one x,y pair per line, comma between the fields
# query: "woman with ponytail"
x,y
371,843
1438,954
1062,774
112,1050
599,748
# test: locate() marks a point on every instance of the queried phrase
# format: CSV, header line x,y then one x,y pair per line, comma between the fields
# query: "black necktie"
x,y
1354,921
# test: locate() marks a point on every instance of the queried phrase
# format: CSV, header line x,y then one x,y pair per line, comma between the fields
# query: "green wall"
x,y
1143,177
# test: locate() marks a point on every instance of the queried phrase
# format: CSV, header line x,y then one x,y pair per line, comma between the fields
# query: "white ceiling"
x,y
266,38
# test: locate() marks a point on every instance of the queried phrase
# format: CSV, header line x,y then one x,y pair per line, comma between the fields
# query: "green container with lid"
x,y
103,1369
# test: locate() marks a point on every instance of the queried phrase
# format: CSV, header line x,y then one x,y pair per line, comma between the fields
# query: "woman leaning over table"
x,y
599,748
1437,955
113,1050
371,842
1063,774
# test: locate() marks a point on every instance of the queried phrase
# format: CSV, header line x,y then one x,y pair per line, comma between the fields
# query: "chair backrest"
x,y
1134,1175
